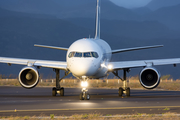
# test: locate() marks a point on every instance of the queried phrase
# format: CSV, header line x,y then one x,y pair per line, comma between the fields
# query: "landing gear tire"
x,y
84,96
87,96
81,96
120,91
62,91
54,92
128,92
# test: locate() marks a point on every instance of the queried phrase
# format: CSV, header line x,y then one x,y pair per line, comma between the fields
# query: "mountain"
x,y
156,4
31,6
18,31
8,13
129,29
166,15
142,10
69,8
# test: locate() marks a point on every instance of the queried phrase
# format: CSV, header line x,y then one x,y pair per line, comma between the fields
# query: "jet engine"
x,y
28,77
149,78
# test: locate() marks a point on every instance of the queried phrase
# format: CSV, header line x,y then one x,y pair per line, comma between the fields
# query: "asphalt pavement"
x,y
18,101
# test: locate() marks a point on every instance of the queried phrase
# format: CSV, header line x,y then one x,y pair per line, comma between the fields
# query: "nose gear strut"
x,y
84,95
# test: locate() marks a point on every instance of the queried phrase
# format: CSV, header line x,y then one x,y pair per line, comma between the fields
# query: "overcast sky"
x,y
131,3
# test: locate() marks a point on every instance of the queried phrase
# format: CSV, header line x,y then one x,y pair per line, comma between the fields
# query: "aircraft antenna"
x,y
97,35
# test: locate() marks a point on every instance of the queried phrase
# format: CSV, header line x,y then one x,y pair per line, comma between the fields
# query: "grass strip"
x,y
138,116
105,83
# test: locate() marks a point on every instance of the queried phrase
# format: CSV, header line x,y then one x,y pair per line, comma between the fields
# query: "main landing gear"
x,y
124,89
58,89
84,95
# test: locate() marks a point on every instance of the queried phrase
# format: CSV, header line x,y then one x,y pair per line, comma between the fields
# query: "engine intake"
x,y
149,78
28,77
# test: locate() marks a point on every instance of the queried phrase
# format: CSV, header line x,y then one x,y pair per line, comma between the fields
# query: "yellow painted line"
x,y
115,108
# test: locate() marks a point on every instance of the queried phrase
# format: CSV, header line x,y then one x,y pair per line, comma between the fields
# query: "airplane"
x,y
90,58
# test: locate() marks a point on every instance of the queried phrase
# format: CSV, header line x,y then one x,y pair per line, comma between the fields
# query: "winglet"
x,y
97,35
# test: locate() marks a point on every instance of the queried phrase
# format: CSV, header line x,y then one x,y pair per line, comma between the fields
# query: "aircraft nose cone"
x,y
84,68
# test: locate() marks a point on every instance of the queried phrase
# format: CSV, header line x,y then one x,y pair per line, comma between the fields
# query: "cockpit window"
x,y
87,54
71,54
78,54
94,54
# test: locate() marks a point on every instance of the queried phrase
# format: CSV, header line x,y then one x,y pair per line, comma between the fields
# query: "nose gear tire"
x,y
81,96
87,96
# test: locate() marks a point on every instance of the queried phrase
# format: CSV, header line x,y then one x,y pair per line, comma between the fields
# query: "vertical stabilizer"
x,y
97,35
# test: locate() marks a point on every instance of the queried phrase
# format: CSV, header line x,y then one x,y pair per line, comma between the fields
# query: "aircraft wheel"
x,y
62,91
120,91
87,96
128,92
81,96
54,91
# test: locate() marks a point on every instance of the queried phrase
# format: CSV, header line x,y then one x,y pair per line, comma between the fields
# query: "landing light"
x,y
110,67
103,65
84,83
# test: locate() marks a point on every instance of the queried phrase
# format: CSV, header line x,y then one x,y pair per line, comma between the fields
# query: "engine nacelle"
x,y
149,78
28,77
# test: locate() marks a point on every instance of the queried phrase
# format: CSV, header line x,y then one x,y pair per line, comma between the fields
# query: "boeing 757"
x,y
90,58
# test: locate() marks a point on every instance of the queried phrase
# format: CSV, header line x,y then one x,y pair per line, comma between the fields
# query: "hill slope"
x,y
167,15
156,4
69,8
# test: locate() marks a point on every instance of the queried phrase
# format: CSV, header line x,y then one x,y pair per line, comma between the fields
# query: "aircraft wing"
x,y
142,63
52,47
136,48
32,62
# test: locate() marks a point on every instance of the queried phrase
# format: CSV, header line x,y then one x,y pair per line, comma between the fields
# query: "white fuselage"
x,y
89,57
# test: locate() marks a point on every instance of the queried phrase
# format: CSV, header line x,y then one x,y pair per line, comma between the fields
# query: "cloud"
x,y
131,3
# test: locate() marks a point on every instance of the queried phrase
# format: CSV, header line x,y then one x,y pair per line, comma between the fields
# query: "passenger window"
x,y
78,54
94,54
71,54
87,54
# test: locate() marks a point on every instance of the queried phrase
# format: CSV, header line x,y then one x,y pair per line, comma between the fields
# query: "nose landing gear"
x,y
84,95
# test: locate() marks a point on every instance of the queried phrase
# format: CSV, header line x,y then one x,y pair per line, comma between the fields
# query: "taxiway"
x,y
19,101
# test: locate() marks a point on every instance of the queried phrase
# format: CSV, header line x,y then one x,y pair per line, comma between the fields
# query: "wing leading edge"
x,y
32,62
136,48
52,47
143,63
